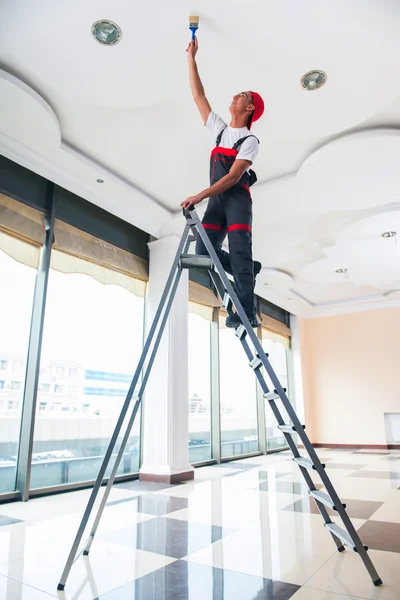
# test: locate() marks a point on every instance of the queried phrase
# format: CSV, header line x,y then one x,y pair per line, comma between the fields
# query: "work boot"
x,y
233,321
257,266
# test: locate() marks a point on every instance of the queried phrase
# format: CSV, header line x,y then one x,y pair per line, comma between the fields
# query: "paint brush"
x,y
193,25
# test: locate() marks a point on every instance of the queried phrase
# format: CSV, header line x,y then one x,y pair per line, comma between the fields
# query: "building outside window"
x,y
17,282
238,397
199,360
93,334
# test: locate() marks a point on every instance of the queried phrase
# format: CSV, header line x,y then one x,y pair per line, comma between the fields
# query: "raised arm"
x,y
195,82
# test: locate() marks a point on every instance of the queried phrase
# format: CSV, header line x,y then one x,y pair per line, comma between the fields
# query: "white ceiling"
x,y
329,182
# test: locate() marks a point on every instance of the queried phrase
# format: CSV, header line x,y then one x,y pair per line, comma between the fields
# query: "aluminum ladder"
x,y
258,360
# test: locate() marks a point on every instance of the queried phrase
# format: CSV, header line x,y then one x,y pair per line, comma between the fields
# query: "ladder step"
x,y
240,331
196,261
273,395
324,499
306,463
342,535
256,363
289,428
226,301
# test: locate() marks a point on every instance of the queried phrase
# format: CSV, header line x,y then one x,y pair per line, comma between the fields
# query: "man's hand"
x,y
192,48
191,201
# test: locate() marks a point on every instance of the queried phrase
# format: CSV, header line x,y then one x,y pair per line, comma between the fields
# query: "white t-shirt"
x,y
247,151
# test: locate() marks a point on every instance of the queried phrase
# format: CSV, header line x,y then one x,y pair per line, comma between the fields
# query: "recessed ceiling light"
x,y
389,234
313,80
341,271
106,32
100,180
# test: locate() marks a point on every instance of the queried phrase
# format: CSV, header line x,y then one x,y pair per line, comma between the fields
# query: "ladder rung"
x,y
274,396
256,363
240,331
196,261
306,463
324,499
342,535
226,301
289,428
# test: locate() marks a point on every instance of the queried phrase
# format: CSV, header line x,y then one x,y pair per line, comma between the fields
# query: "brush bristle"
x,y
194,21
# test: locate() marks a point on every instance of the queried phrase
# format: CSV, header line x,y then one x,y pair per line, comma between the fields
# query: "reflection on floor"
x,y
246,530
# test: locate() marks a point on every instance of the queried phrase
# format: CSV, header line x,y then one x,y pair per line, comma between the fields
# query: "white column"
x,y
165,431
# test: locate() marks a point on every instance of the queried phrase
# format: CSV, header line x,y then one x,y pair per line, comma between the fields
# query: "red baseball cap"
x,y
259,107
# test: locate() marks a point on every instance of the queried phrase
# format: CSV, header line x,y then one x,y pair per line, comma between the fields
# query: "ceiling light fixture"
x,y
341,271
106,32
100,180
389,234
313,80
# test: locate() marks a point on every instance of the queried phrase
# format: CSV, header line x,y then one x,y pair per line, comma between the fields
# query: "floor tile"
x,y
27,539
189,581
15,590
381,535
238,465
143,487
306,593
88,577
160,505
392,475
390,510
355,488
346,574
286,487
39,509
359,509
4,520
214,472
338,465
372,452
271,474
185,490
384,465
286,546
168,537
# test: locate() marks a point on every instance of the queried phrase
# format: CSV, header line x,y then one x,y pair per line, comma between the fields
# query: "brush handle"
x,y
193,30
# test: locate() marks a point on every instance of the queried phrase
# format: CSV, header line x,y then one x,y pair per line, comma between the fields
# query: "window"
x,y
278,359
17,367
59,372
199,388
44,387
237,396
98,328
17,282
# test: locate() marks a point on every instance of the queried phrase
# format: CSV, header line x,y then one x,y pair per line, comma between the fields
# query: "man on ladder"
x,y
229,209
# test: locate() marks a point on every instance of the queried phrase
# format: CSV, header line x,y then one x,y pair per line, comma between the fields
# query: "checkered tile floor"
x,y
242,531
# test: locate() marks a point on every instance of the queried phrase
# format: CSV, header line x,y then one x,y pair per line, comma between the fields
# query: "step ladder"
x,y
258,361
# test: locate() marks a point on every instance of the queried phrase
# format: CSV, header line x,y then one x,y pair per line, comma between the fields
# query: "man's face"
x,y
242,103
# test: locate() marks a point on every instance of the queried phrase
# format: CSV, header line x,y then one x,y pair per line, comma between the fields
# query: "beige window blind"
x,y
22,231
97,258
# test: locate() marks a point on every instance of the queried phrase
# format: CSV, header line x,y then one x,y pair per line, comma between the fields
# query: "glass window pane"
x,y
93,337
237,396
199,389
278,360
17,283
